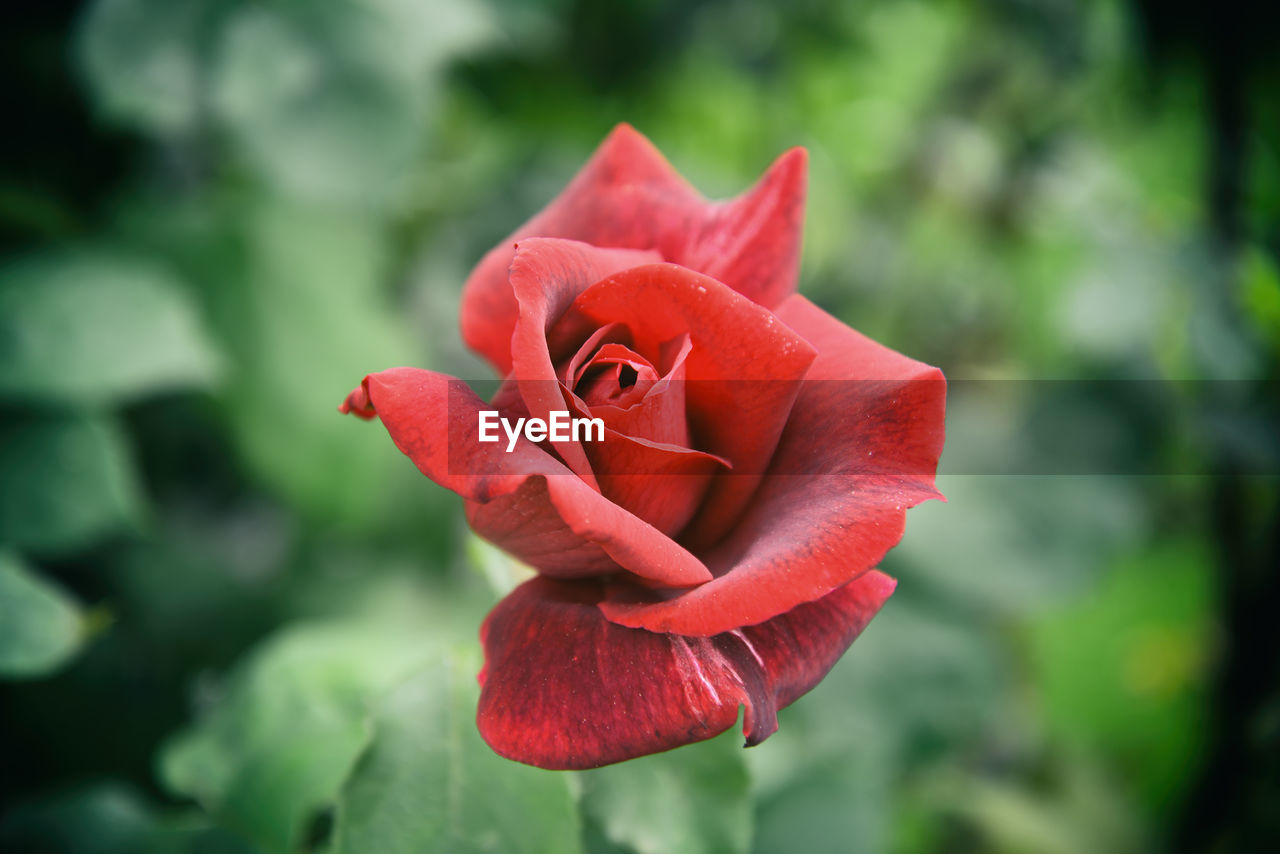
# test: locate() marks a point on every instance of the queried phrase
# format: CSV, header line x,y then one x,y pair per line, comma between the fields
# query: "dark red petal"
x,y
629,196
861,447
600,381
660,415
661,483
635,544
611,333
546,275
562,688
433,419
525,523
752,243
743,371
645,463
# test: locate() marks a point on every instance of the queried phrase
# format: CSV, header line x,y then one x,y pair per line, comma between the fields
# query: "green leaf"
x,y
429,783
67,482
304,319
332,101
102,819
94,327
308,125
109,818
40,625
277,747
1040,537
141,60
917,678
695,800
837,805
1072,806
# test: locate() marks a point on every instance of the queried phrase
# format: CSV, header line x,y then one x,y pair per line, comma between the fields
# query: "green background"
x,y
233,621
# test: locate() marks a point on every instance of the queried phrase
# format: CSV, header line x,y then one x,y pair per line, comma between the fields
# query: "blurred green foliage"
x,y
68,482
90,329
40,625
232,621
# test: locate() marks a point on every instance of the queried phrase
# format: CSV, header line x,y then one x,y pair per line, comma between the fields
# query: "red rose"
x,y
714,545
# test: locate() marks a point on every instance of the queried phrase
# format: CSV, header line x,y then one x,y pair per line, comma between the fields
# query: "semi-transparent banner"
x,y
867,427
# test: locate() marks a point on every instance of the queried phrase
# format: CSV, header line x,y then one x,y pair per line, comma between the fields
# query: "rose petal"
x,y
752,243
546,276
433,419
525,523
644,462
629,196
660,415
662,484
610,333
743,371
601,381
861,447
562,688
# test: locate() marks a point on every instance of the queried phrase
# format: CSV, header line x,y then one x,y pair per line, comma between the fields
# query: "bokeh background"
x,y
233,621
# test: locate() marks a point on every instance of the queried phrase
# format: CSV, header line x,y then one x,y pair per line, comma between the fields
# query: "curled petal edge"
x,y
564,688
433,419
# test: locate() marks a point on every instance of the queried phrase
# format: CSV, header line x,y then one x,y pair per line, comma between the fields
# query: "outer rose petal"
x,y
563,688
861,447
628,196
433,419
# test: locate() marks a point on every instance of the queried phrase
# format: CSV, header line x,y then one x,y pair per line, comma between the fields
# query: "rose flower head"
x,y
703,467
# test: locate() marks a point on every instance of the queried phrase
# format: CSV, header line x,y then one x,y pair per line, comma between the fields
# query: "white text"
x,y
559,427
